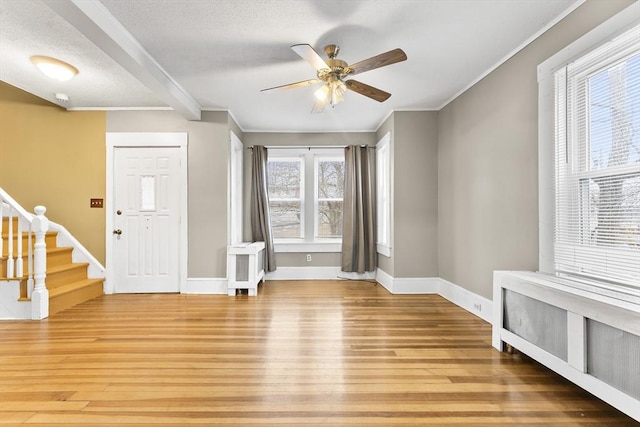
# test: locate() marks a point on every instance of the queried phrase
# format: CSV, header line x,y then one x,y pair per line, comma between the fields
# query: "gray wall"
x,y
415,189
414,201
487,162
208,157
276,139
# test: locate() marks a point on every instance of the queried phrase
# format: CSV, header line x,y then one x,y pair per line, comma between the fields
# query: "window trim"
x,y
605,32
383,188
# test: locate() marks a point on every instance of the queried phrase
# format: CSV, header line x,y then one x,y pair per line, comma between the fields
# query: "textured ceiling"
x,y
223,52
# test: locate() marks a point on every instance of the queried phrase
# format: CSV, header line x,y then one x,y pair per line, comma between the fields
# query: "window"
x,y
597,163
305,198
286,196
329,188
383,194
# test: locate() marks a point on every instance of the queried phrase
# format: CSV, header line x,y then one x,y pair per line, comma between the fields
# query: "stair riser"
x,y
59,258
64,301
54,280
50,240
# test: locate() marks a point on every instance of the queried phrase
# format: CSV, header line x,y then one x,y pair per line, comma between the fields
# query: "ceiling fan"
x,y
333,71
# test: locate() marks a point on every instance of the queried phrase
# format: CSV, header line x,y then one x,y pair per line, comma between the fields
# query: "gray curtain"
x,y
359,222
260,218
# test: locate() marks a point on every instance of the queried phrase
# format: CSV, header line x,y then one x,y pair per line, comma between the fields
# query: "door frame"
x,y
152,140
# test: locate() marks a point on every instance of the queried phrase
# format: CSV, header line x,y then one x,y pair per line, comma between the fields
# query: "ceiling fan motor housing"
x,y
338,69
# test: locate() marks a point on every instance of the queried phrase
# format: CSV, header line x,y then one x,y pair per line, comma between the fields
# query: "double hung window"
x,y
597,163
306,189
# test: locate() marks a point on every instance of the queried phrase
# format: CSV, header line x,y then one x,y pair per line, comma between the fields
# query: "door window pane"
x,y
147,193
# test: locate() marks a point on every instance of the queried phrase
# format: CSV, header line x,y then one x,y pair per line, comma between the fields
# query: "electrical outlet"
x,y
477,307
308,257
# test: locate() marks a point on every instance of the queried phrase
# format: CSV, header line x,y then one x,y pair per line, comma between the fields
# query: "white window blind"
x,y
597,170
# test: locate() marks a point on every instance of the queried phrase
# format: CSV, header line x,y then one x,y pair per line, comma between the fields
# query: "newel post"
x,y
40,294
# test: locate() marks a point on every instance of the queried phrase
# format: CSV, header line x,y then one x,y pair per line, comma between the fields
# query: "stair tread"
x,y
70,287
65,267
54,269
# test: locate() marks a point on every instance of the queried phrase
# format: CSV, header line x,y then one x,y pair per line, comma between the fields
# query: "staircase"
x,y
73,276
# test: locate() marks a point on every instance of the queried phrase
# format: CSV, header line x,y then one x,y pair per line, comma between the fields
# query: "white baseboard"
x,y
304,273
205,285
384,279
473,303
367,275
408,285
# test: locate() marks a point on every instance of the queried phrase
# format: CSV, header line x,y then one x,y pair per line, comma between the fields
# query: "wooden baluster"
x,y
19,263
40,295
30,262
10,261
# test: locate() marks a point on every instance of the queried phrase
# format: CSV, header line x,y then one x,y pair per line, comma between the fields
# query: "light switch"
x,y
96,203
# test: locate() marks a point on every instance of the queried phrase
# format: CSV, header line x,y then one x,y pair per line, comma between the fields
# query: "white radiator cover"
x,y
593,340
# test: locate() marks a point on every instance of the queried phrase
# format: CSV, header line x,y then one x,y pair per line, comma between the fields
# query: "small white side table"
x,y
245,267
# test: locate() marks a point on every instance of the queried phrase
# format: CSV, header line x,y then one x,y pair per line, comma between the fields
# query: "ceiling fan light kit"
x,y
333,72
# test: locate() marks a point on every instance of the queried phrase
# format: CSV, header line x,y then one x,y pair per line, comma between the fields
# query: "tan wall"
x,y
487,162
275,139
208,158
55,158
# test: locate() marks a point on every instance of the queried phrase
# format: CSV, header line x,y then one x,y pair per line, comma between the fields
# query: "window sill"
x,y
383,250
309,247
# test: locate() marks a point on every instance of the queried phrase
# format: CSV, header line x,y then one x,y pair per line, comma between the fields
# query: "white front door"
x,y
146,219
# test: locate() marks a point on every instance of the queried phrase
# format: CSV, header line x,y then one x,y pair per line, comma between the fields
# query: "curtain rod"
x,y
301,147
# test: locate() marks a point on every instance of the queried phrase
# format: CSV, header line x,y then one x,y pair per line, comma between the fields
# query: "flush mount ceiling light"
x,y
54,68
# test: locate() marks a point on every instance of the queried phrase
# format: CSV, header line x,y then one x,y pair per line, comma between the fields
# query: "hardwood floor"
x,y
300,353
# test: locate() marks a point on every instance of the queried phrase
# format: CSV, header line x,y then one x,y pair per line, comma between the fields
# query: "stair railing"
x,y
34,225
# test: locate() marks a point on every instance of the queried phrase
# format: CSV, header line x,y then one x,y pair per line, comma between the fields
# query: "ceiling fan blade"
x,y
292,85
382,60
307,53
366,90
319,105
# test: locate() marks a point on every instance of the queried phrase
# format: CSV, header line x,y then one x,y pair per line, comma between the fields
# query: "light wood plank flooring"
x,y
300,353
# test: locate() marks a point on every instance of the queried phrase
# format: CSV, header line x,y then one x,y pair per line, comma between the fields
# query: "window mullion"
x,y
309,202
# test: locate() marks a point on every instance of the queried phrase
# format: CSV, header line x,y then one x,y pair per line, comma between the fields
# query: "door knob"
x,y
117,231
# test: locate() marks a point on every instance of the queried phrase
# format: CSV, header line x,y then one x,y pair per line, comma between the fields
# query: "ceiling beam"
x,y
95,22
